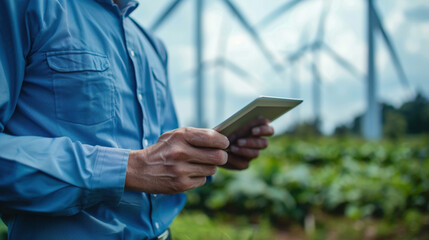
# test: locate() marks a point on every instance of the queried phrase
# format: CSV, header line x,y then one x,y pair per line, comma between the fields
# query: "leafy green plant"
x,y
344,176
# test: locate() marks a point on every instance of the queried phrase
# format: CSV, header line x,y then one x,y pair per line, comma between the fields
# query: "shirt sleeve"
x,y
53,176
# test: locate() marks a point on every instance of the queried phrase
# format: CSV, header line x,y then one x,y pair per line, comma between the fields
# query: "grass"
x,y
191,225
196,225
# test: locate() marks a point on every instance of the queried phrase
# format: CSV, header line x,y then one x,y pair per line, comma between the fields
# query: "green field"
x,y
325,187
316,188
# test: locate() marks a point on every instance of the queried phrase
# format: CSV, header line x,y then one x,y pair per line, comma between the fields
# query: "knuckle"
x,y
212,170
179,185
181,153
219,157
211,133
179,133
179,171
215,136
175,153
187,130
168,133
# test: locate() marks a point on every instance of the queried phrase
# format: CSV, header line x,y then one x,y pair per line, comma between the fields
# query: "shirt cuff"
x,y
109,176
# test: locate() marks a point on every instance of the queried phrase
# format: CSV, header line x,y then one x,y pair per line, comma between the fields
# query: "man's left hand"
x,y
244,150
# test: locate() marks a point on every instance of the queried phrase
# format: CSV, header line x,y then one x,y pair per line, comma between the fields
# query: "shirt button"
x,y
132,53
155,195
145,143
157,225
140,97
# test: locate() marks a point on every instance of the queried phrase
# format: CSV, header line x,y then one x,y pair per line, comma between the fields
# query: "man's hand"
x,y
180,160
243,150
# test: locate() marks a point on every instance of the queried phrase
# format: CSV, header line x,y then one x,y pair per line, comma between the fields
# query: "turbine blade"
x,y
342,61
236,69
254,34
398,67
322,21
299,53
232,67
164,15
277,13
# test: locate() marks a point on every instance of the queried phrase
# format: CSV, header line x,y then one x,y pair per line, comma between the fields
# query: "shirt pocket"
x,y
83,86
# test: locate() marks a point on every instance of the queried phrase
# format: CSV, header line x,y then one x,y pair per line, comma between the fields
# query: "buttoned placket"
x,y
140,71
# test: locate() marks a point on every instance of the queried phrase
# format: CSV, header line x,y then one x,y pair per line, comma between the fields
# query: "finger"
x,y
264,130
256,143
237,163
209,138
187,183
201,170
192,170
244,152
208,156
197,182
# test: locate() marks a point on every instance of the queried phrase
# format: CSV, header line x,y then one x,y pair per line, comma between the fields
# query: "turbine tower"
x,y
372,122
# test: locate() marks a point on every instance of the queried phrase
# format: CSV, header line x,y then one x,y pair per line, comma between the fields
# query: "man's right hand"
x,y
180,160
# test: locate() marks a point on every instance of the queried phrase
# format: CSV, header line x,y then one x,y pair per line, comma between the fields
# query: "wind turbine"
x,y
372,128
372,125
315,47
199,44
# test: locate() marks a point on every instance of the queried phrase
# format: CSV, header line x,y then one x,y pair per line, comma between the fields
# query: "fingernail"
x,y
234,149
227,142
256,131
242,142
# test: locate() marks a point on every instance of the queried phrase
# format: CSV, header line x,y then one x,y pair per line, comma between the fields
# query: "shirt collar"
x,y
126,7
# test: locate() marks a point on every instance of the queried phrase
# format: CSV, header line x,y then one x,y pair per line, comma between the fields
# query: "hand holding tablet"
x,y
255,113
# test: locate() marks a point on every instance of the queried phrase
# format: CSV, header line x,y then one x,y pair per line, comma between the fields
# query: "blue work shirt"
x,y
81,84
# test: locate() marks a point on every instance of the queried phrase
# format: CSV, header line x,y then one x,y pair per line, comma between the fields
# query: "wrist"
x,y
131,176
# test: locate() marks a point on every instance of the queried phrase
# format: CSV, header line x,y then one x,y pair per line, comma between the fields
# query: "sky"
x,y
343,95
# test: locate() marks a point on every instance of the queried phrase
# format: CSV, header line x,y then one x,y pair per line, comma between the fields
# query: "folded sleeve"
x,y
53,176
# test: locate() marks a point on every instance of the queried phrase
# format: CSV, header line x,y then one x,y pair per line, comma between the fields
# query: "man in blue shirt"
x,y
89,142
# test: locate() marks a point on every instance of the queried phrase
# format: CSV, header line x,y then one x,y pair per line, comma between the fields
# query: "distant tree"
x,y
395,125
305,130
416,114
357,125
343,131
412,115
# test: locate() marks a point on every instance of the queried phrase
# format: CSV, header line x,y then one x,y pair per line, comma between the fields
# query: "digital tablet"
x,y
255,113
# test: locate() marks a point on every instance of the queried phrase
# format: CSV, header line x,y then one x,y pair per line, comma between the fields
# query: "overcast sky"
x,y
343,94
